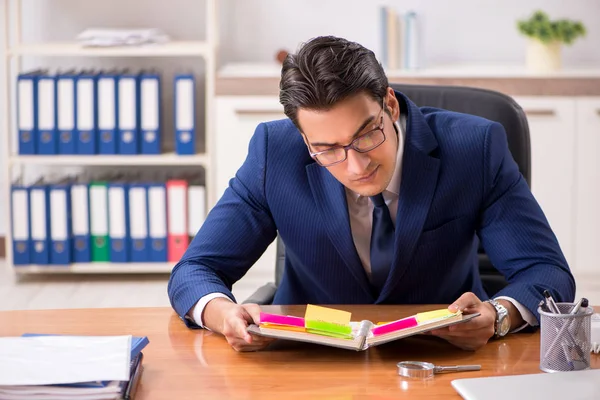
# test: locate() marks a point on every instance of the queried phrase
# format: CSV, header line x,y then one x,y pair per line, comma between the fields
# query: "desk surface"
x,y
182,363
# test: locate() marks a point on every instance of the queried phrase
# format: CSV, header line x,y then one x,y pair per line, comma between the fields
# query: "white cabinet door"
x,y
236,121
587,173
553,137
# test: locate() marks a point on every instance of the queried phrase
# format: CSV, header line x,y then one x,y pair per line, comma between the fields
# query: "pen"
x,y
550,302
584,303
581,303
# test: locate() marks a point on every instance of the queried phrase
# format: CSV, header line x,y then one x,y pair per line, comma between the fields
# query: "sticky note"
x,y
283,327
281,319
325,314
395,326
435,314
322,327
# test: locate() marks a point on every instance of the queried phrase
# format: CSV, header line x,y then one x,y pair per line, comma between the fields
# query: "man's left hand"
x,y
472,334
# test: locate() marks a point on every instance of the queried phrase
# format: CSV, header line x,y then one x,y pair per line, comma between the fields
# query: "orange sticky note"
x,y
326,314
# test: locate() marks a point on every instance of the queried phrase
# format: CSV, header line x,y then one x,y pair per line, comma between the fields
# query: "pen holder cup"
x,y
565,339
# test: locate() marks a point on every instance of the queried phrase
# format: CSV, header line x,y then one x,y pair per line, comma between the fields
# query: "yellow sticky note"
x,y
435,314
325,314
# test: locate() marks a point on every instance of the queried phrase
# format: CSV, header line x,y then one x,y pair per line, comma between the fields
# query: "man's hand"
x,y
472,334
233,320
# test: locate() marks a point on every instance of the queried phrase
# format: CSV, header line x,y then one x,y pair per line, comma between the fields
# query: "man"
x,y
377,202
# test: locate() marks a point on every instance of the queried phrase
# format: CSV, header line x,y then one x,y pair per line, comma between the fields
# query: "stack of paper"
x,y
103,37
75,367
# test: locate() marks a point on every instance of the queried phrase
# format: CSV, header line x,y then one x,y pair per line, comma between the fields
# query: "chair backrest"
x,y
484,103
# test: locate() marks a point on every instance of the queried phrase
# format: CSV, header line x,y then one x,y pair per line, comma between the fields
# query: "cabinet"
x,y
236,120
587,186
552,126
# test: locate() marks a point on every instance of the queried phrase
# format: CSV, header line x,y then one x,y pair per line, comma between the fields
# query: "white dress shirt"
x,y
360,210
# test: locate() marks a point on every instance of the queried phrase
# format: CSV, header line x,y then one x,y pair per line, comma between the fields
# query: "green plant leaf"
x,y
539,26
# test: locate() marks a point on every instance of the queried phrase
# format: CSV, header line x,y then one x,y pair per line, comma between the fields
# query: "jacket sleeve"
x,y
234,235
515,232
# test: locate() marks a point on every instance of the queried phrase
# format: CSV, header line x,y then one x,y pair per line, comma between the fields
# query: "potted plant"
x,y
546,38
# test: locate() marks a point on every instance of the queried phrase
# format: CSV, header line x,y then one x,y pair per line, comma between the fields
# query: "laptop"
x,y
573,385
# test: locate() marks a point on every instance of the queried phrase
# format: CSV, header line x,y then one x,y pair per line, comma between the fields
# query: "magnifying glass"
x,y
423,370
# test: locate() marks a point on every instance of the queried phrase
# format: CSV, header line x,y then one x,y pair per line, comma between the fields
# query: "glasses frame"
x,y
351,145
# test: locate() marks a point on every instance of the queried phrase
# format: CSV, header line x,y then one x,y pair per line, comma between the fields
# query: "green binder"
x,y
99,221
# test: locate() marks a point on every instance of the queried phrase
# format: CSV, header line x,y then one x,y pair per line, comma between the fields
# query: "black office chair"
x,y
481,102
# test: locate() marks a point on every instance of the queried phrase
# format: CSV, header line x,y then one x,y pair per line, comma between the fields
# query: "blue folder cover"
x,y
137,342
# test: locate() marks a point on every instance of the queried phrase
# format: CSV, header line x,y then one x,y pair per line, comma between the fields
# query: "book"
x,y
329,327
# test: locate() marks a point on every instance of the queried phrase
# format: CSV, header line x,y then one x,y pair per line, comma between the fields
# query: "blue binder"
x,y
87,113
60,223
80,222
66,92
150,115
20,223
47,135
157,222
128,120
27,112
107,97
185,115
39,211
139,238
118,222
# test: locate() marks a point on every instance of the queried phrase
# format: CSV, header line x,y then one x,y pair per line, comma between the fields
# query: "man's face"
x,y
366,173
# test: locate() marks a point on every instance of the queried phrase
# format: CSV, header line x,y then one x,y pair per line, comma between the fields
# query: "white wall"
x,y
458,31
453,31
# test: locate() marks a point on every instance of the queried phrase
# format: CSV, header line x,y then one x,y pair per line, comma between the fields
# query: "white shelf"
x,y
273,70
170,49
97,268
170,159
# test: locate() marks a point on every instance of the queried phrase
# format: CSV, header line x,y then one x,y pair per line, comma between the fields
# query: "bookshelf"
x,y
166,159
16,50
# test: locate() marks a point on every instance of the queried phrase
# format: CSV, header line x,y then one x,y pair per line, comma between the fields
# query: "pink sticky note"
x,y
281,319
395,326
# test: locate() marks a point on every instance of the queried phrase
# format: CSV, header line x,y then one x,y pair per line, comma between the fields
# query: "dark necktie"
x,y
382,242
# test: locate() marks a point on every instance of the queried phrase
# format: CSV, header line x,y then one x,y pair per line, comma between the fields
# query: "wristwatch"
x,y
502,324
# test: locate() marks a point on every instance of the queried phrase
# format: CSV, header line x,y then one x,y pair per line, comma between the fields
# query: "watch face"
x,y
504,326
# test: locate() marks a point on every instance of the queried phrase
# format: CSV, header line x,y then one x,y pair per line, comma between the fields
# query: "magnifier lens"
x,y
415,369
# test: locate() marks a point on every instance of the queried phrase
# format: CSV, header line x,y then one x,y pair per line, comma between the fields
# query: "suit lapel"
x,y
419,180
330,198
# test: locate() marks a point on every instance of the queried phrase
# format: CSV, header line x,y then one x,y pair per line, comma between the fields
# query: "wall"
x,y
459,31
453,31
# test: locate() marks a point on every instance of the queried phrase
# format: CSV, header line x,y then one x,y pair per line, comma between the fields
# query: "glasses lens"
x,y
331,156
369,141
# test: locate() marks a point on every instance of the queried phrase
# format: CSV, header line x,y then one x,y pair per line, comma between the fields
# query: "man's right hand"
x,y
231,320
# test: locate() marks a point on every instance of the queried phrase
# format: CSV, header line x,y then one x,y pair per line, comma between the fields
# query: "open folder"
x,y
330,327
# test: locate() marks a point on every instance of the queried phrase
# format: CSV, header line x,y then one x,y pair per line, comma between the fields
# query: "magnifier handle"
x,y
457,368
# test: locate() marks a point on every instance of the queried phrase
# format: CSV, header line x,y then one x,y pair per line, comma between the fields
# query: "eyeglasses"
x,y
362,144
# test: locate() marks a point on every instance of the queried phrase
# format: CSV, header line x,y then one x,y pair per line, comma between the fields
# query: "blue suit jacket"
x,y
459,183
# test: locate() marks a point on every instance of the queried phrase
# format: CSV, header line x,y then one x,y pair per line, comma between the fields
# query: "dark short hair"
x,y
327,70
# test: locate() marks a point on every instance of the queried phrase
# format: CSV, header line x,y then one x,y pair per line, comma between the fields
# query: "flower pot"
x,y
544,57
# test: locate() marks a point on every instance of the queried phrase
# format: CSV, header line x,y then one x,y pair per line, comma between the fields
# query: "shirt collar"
x,y
393,187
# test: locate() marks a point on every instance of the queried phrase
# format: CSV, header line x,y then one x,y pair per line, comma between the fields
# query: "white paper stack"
x,y
59,367
103,37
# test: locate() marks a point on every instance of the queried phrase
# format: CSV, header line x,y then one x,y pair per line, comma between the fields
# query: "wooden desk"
x,y
181,363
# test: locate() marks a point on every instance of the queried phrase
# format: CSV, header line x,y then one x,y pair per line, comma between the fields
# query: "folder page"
x,y
44,360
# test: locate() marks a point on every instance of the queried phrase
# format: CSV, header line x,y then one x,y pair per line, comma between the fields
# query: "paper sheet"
x,y
44,360
325,314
